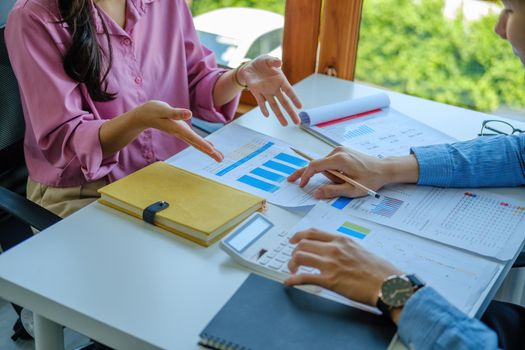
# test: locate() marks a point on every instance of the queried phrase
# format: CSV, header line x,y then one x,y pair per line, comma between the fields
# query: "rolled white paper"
x,y
343,109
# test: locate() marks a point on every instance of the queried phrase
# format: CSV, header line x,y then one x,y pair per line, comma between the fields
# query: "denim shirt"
x,y
429,321
489,161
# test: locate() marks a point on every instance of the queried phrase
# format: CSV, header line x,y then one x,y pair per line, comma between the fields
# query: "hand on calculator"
x,y
344,267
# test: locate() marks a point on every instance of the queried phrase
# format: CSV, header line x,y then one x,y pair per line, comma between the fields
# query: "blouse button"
x,y
126,42
138,80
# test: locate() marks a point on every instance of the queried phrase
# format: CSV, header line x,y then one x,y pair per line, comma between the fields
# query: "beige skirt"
x,y
63,201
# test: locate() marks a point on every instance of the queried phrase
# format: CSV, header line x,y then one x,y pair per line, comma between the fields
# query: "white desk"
x,y
133,286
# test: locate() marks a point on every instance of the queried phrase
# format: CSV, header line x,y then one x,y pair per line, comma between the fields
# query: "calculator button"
x,y
285,269
284,243
282,258
287,251
306,269
278,249
282,233
275,265
271,255
264,261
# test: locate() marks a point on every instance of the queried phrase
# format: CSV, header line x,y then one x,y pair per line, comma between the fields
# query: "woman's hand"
x,y
371,172
267,83
345,267
160,115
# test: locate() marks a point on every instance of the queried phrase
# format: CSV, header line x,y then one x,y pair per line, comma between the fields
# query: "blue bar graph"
x,y
245,159
291,159
269,175
341,202
360,131
350,232
279,167
262,185
387,207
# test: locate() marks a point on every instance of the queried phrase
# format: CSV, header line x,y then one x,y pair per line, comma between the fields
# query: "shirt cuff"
x,y
429,321
204,107
435,165
424,318
86,142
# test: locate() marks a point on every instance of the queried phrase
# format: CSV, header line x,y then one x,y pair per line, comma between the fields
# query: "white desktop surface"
x,y
131,285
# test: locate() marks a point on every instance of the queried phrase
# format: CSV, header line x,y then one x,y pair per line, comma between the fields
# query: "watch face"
x,y
396,291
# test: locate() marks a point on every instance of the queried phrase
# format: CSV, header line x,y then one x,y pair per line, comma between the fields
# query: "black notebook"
x,y
264,314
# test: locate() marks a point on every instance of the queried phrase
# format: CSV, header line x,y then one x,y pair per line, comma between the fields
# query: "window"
x,y
269,43
223,47
444,50
239,30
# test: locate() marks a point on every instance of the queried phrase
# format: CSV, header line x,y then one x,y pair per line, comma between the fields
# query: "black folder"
x,y
264,314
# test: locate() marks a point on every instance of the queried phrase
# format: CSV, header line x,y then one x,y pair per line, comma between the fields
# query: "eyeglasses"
x,y
497,127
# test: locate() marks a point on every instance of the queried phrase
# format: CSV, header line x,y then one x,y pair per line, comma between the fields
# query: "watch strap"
x,y
416,282
383,307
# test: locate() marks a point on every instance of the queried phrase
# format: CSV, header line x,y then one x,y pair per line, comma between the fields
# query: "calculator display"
x,y
249,232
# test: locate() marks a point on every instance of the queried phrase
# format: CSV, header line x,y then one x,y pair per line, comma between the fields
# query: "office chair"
x,y
17,214
204,128
13,172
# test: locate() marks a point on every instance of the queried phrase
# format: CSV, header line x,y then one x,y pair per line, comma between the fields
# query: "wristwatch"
x,y
396,290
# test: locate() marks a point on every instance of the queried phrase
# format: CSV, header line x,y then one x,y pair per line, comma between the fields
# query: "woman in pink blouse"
x,y
109,86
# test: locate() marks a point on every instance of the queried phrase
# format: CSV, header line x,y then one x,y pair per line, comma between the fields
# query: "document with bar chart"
x,y
253,162
479,221
384,133
369,125
440,266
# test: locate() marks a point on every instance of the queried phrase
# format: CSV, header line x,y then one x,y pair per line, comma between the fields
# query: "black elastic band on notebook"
x,y
149,213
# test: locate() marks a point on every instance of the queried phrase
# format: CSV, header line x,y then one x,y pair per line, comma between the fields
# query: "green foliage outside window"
x,y
410,47
201,6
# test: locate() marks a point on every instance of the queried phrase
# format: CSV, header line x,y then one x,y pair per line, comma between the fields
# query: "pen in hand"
x,y
341,176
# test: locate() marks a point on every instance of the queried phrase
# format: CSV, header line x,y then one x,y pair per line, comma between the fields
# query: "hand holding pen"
x,y
333,167
355,174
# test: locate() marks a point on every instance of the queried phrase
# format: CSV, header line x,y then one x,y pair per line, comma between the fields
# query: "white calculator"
x,y
261,246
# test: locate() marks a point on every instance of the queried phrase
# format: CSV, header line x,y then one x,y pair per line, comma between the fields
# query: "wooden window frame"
x,y
320,36
339,38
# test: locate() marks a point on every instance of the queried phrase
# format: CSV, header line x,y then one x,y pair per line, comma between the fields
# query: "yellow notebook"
x,y
200,209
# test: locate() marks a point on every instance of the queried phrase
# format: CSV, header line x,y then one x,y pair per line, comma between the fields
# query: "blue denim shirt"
x,y
489,161
428,321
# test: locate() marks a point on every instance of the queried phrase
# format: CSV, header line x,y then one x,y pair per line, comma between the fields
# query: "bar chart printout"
x,y
253,162
387,207
385,132
353,230
440,266
479,221
359,131
270,174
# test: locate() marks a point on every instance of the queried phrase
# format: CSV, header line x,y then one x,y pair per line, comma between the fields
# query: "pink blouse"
x,y
157,56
